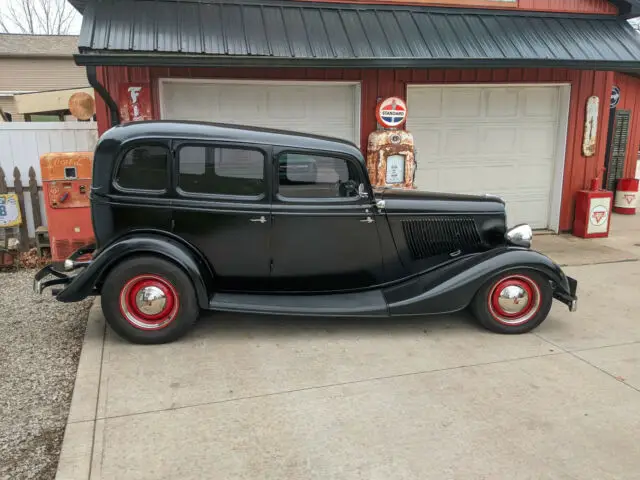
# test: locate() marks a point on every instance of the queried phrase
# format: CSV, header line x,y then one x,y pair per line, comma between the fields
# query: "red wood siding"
x,y
630,100
581,6
376,83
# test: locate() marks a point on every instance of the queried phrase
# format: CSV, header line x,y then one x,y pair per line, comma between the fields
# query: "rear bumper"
x,y
570,299
62,279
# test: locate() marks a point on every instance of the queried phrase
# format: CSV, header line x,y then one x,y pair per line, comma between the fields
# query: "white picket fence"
x,y
22,144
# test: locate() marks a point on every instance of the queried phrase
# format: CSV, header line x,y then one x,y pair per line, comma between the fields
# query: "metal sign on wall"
x,y
134,102
591,127
615,97
9,210
391,112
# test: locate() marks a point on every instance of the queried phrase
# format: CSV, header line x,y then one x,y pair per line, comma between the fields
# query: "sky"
x,y
75,24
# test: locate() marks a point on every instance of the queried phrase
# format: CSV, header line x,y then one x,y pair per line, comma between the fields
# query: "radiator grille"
x,y
427,237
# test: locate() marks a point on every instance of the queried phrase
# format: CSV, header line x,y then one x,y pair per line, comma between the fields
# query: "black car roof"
x,y
227,132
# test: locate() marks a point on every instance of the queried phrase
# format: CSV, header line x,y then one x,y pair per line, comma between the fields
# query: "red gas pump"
x,y
593,211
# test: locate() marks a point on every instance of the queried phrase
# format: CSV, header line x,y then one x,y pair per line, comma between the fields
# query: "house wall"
x,y
379,83
20,74
581,6
630,100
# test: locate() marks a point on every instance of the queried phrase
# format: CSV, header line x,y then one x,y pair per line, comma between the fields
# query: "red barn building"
x,y
496,90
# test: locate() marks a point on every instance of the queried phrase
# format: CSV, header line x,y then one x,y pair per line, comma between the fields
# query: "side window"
x,y
317,176
144,168
222,171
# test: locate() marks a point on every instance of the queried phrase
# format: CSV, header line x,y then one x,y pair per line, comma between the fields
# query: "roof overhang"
x,y
300,34
627,8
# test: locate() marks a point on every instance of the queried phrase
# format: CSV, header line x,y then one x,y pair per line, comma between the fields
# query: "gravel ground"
x,y
40,343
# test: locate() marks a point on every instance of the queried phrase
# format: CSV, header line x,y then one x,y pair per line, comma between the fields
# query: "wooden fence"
x,y
21,146
32,191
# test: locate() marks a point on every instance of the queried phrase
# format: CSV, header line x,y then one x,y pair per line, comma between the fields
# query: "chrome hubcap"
x,y
151,300
513,299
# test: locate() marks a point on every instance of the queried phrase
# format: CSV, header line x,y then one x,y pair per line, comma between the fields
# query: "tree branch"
x,y
51,17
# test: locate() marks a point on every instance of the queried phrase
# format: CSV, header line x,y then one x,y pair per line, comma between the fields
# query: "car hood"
x,y
408,201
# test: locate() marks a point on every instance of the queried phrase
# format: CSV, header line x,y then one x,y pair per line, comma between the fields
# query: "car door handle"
x,y
261,219
367,220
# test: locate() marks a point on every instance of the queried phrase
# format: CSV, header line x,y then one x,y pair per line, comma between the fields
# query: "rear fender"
x,y
171,248
452,287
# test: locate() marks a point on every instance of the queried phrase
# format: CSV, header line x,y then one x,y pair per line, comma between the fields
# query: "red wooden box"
x,y
593,213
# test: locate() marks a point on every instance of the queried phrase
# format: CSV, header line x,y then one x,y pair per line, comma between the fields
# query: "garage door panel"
x,y
460,141
498,140
462,102
537,140
541,102
430,104
312,108
502,102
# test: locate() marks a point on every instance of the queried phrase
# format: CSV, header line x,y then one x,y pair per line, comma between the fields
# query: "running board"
x,y
370,303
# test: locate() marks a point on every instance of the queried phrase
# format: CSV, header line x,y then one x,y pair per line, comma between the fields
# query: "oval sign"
x,y
391,112
615,96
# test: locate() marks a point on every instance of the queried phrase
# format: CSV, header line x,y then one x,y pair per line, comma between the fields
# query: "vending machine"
x,y
66,180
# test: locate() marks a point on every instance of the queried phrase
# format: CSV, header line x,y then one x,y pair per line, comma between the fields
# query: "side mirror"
x,y
362,193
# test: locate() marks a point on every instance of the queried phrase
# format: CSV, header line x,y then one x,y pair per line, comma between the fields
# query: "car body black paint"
x,y
396,252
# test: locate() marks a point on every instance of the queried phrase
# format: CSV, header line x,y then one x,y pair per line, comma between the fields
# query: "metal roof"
x,y
277,34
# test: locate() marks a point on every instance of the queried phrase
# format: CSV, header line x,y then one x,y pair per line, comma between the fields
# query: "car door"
x,y
222,207
324,234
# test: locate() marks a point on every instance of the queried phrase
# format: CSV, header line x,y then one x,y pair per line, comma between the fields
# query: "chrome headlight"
x,y
520,235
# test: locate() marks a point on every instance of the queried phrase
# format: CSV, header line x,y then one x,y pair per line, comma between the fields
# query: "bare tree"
x,y
48,17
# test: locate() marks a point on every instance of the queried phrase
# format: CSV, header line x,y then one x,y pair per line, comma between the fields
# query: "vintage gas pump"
x,y
66,180
390,151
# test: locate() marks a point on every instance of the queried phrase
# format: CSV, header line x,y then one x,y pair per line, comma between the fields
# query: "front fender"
x,y
452,287
87,282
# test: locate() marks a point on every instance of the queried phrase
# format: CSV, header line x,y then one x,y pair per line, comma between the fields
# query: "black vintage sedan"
x,y
194,216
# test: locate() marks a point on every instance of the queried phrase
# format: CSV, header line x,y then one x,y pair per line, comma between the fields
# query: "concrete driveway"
x,y
246,397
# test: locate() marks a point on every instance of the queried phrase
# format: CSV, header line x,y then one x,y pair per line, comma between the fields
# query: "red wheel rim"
x,y
149,302
514,300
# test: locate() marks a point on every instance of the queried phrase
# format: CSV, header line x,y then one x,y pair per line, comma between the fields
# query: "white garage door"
x,y
324,109
500,140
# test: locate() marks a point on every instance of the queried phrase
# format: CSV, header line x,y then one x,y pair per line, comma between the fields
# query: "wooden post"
x,y
3,183
24,232
3,189
35,198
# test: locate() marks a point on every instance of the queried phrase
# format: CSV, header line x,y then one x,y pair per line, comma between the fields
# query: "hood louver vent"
x,y
427,237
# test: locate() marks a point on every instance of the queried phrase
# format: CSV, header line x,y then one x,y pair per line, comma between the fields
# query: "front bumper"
x,y
61,278
570,299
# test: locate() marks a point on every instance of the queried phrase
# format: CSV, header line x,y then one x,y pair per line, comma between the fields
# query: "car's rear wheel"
x,y
514,302
149,300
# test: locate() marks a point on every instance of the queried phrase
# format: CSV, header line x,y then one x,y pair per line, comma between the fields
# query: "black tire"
x,y
489,314
180,308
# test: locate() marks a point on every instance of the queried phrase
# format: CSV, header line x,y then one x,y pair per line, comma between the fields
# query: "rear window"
x,y
144,168
221,171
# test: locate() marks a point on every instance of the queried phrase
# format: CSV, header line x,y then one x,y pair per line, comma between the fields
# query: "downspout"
x,y
92,75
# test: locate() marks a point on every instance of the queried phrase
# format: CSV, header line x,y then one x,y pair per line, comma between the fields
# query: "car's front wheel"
x,y
514,302
149,300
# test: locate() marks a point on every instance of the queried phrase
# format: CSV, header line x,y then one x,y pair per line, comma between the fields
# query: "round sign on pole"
x,y
615,97
391,112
